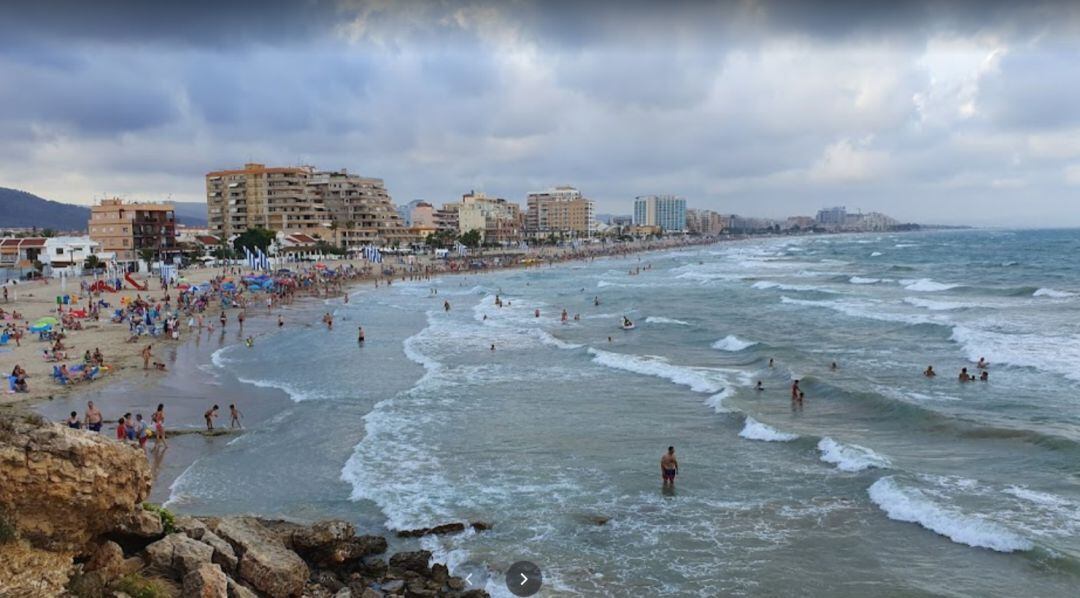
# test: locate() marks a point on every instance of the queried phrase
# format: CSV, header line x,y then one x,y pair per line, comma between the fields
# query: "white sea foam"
x,y
861,280
912,505
755,430
876,254
663,320
768,284
546,338
1054,294
1058,354
938,305
850,457
864,310
707,380
732,343
716,401
925,285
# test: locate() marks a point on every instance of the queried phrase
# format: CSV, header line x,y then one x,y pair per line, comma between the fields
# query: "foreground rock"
x,y
63,488
72,524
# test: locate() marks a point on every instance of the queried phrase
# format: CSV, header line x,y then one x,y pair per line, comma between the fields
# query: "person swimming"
x,y
984,376
983,364
965,376
759,386
929,372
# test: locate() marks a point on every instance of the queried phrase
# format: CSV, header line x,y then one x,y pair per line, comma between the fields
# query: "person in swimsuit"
x,y
360,335
93,417
73,421
759,386
210,416
929,373
669,467
795,390
158,419
234,417
965,376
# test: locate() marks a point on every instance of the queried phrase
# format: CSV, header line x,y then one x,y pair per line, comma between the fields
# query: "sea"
x,y
881,482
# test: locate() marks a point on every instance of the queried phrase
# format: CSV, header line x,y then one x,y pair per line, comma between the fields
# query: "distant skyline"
x,y
965,113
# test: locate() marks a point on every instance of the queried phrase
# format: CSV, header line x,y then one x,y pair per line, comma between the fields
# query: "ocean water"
x,y
884,482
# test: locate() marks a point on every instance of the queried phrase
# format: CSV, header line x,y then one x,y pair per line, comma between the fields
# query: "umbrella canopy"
x,y
46,320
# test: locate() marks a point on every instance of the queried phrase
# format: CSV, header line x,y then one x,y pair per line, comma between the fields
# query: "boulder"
x,y
177,555
393,586
108,560
416,561
238,591
224,554
190,526
206,581
370,593
63,487
265,562
480,526
321,535
141,523
439,573
446,528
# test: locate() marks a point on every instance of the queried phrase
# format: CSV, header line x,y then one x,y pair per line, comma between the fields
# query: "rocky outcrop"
x,y
446,528
265,562
64,488
72,523
208,581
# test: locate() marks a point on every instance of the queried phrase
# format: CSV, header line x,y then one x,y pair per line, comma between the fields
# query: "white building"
x,y
65,256
666,211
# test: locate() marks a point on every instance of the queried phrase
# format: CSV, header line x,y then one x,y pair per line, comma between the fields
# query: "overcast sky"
x,y
959,113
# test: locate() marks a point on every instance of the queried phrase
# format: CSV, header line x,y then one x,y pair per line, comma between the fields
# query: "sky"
x,y
933,112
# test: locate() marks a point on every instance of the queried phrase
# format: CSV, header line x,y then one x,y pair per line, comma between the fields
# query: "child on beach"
x,y
234,417
210,416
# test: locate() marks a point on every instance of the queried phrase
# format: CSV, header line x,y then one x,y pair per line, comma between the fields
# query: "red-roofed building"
x,y
20,252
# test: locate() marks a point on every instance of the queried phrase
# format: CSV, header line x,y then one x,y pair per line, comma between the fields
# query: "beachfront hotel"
x,y
256,196
125,229
559,211
667,212
346,209
498,220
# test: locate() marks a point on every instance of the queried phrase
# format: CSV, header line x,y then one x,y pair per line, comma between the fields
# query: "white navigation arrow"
x,y
524,580
467,579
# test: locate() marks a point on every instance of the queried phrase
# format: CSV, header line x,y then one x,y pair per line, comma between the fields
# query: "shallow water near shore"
x,y
883,482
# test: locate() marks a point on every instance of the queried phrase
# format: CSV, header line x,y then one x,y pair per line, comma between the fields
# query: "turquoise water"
x,y
884,482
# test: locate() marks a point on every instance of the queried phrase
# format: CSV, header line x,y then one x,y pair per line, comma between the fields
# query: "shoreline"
x,y
124,360
189,357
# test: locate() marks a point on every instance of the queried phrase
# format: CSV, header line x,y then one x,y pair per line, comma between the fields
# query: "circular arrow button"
x,y
524,578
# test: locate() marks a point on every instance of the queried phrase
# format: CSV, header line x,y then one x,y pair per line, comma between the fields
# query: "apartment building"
x,y
359,208
665,211
346,209
498,220
124,229
256,196
560,211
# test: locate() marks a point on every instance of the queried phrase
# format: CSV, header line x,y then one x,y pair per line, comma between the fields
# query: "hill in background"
x,y
19,209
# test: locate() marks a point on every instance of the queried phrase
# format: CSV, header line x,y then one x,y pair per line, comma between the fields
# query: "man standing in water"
x,y
669,467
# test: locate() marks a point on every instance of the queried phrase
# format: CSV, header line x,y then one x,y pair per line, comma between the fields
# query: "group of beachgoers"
x,y
133,430
965,376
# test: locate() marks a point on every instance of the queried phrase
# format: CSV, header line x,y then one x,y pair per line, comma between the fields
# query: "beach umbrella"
x,y
46,320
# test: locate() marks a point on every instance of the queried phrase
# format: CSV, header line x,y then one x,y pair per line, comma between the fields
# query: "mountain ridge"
x,y
22,209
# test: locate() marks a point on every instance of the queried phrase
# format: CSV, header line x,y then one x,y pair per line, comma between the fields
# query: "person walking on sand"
x,y
147,353
234,417
93,417
669,467
158,419
210,415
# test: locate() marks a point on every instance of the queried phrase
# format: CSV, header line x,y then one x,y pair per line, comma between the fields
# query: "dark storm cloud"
x,y
766,108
